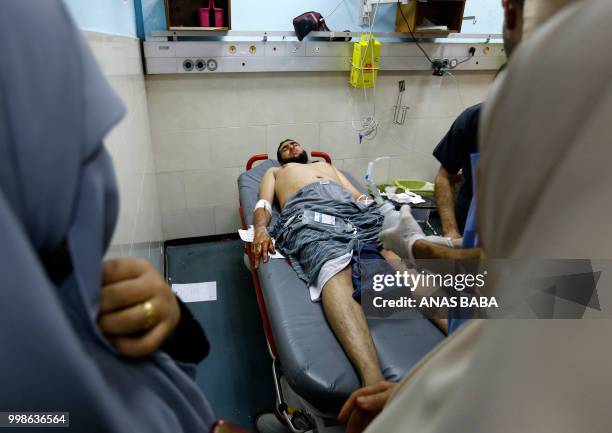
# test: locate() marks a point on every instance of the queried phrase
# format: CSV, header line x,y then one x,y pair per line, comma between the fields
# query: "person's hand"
x,y
439,240
364,404
453,234
138,310
457,242
262,244
402,237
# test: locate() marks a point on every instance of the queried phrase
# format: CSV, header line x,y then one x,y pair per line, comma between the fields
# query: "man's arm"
x,y
425,250
445,200
347,184
262,242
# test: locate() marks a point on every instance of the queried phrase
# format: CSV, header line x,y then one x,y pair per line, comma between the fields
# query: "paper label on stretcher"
x,y
196,292
276,255
247,235
322,218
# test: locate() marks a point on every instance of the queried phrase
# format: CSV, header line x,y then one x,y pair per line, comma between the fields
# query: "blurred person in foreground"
x,y
107,342
527,375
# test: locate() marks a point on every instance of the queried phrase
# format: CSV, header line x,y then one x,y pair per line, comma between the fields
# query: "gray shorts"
x,y
310,244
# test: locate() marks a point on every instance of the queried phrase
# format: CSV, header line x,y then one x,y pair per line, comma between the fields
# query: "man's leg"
x,y
348,322
398,264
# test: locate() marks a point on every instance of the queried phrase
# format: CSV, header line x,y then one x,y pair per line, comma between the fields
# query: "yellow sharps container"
x,y
366,60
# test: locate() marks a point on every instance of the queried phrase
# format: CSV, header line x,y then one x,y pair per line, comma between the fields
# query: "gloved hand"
x,y
445,242
391,216
403,235
400,238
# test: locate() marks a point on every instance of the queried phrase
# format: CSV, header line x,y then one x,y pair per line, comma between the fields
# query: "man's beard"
x,y
302,158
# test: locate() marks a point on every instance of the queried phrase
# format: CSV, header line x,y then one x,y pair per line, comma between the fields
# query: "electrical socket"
x,y
439,65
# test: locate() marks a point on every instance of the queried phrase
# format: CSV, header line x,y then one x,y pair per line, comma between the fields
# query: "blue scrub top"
x,y
470,240
453,152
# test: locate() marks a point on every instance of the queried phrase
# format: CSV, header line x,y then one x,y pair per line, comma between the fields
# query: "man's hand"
x,y
262,244
138,310
364,404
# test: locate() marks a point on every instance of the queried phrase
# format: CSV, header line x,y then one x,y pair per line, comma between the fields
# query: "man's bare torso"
x,y
292,177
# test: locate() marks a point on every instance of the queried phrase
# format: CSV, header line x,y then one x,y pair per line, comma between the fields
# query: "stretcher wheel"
x,y
269,422
301,421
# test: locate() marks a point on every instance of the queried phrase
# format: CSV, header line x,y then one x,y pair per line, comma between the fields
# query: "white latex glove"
x,y
439,240
391,216
401,238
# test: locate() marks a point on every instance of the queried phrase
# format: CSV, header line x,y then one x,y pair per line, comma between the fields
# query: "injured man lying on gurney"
x,y
325,224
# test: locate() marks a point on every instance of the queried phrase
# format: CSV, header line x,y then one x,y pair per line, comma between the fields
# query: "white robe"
x,y
544,191
545,143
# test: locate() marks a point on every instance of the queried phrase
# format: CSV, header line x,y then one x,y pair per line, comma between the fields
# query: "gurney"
x,y
312,374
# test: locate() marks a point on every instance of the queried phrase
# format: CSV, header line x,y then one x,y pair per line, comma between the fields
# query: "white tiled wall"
x,y
138,232
205,127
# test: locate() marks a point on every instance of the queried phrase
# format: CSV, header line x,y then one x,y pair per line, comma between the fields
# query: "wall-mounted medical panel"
x,y
189,49
399,49
252,64
241,49
195,65
329,49
296,49
406,64
499,50
276,49
308,64
163,65
156,50
327,64
482,63
261,56
422,64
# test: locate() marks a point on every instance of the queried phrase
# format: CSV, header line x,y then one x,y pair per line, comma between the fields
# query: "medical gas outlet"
x,y
200,65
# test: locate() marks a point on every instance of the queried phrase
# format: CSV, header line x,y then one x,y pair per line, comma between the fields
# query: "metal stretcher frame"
x,y
281,407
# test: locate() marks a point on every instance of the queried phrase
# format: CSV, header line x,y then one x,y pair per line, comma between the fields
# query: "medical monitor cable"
x,y
333,10
413,36
439,68
468,58
447,72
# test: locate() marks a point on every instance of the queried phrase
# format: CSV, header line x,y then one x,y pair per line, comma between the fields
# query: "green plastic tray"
x,y
382,187
415,185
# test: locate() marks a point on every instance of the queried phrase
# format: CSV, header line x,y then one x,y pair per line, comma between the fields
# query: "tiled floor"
x,y
236,376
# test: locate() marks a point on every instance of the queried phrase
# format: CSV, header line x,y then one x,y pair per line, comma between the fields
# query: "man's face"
x,y
291,151
513,25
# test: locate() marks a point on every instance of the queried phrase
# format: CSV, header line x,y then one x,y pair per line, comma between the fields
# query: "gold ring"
x,y
149,311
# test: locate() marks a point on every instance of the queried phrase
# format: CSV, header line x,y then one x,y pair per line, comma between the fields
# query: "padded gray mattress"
x,y
311,357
